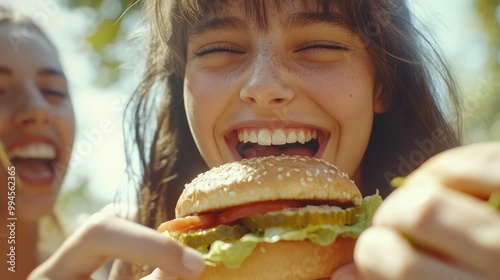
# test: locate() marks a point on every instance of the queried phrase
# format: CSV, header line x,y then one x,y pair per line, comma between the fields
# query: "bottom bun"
x,y
292,260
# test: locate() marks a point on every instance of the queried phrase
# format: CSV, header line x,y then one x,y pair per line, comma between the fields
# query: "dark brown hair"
x,y
415,81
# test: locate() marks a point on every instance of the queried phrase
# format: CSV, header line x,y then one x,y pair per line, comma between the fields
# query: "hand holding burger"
x,y
286,217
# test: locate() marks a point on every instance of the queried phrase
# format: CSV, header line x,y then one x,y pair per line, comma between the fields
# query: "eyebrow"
x,y
225,23
43,72
52,72
309,18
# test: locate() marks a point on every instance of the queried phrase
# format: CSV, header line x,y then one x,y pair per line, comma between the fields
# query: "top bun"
x,y
267,179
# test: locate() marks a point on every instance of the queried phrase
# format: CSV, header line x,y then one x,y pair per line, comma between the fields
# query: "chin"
x,y
33,208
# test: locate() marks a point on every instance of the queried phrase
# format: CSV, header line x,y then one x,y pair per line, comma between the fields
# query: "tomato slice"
x,y
181,225
242,211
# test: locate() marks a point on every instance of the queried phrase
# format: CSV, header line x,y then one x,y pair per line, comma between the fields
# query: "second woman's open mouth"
x,y
35,162
258,142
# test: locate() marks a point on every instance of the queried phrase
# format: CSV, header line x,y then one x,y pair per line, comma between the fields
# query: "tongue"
x,y
32,168
262,151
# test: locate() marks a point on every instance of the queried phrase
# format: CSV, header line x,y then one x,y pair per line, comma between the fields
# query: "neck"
x,y
26,247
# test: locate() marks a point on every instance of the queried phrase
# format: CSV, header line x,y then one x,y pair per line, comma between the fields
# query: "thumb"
x,y
346,272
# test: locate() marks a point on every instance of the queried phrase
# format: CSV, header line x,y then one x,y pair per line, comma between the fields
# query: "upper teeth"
x,y
37,151
267,137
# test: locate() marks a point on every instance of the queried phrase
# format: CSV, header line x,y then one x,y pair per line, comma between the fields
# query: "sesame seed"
x,y
288,174
280,169
310,179
296,170
280,177
308,173
303,182
232,194
329,179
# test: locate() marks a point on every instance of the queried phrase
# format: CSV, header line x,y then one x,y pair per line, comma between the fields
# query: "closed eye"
x,y
55,97
322,45
55,93
218,47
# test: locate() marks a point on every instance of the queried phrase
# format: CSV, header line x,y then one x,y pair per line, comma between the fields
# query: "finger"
x,y
382,253
459,228
157,274
346,272
472,169
107,237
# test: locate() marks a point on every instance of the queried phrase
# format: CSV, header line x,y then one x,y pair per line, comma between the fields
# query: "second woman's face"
x,y
37,124
305,86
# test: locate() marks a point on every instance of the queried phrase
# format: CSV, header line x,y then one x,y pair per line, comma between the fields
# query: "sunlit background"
x,y
103,67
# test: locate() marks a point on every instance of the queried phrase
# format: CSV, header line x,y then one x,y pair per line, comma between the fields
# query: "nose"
x,y
267,85
33,111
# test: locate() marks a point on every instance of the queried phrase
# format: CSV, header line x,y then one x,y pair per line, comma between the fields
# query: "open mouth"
x,y
259,142
34,163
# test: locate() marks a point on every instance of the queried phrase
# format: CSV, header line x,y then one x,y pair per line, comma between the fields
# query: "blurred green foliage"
x,y
111,25
489,86
77,201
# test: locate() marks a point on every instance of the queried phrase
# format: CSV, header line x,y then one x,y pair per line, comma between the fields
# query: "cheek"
x,y
205,95
346,95
194,98
3,119
64,123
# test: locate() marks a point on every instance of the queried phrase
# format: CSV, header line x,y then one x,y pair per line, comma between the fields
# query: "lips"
x,y
258,142
34,162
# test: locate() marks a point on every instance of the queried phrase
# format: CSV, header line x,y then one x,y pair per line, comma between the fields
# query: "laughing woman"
x,y
37,129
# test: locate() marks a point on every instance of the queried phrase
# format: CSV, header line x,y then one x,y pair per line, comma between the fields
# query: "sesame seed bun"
x,y
267,179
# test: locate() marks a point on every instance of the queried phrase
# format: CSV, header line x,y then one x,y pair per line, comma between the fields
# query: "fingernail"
x,y
193,260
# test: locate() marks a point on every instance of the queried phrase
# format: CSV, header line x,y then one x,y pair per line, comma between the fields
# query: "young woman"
x,y
37,129
359,77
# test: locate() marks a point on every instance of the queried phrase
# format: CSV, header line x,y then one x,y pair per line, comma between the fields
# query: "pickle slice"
x,y
310,215
204,238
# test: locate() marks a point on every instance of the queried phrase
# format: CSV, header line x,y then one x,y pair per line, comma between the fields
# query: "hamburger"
x,y
286,217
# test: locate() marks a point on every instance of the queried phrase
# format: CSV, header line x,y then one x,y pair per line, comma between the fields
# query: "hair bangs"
x,y
258,11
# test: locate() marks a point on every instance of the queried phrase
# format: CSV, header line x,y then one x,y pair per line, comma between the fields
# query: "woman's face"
x,y
37,124
304,86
